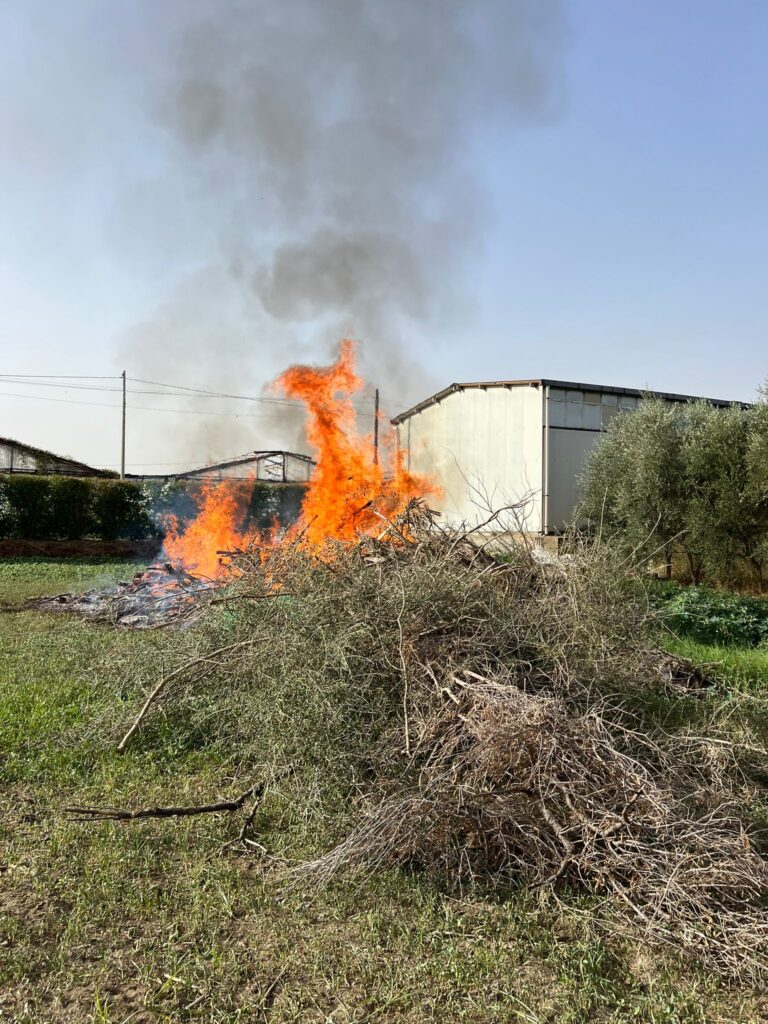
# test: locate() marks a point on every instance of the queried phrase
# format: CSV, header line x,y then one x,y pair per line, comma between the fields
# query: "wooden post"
x,y
376,428
122,437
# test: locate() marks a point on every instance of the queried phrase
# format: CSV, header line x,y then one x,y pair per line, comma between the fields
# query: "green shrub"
x,y
121,509
71,508
169,497
34,507
264,503
7,512
685,478
72,514
712,617
31,507
270,503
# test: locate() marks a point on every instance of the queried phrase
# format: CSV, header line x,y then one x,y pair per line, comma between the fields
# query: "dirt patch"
x,y
81,548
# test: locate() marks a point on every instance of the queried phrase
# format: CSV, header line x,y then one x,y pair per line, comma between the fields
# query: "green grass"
x,y
152,922
21,578
740,669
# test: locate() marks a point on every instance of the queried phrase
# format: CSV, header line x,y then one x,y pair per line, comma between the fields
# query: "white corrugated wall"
x,y
483,447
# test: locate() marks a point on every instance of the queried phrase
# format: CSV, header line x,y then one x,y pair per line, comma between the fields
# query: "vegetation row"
x,y
73,508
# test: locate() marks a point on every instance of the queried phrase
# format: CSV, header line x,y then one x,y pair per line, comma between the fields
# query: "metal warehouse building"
x,y
507,442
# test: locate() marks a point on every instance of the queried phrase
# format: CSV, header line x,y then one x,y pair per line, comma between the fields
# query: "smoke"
x,y
332,145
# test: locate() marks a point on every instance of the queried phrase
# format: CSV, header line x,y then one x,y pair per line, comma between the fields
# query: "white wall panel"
x,y
483,447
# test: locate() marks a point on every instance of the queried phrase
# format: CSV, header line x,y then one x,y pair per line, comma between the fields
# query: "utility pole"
x,y
122,437
376,428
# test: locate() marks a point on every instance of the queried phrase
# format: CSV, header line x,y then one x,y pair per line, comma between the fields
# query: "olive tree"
x,y
726,519
634,483
757,456
686,477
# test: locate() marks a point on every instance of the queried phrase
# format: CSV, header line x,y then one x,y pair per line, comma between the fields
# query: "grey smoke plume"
x,y
330,142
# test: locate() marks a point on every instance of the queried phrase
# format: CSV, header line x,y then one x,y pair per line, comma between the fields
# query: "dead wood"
x,y
122,814
477,714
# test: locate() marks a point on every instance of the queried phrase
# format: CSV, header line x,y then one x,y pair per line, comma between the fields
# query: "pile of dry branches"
x,y
477,715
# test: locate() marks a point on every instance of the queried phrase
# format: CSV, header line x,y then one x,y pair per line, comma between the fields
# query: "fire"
x,y
352,488
214,529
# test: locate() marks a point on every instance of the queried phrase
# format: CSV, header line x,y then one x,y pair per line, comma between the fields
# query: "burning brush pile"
x,y
480,720
477,715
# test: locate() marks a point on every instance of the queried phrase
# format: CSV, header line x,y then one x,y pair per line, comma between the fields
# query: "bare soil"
x,y
81,548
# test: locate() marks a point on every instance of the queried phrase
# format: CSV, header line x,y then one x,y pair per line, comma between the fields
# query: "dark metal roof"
x,y
571,385
41,453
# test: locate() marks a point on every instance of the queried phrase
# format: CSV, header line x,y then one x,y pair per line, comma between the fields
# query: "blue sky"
x,y
624,228
631,238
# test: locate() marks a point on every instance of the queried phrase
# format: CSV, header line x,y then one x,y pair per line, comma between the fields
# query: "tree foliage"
x,y
685,478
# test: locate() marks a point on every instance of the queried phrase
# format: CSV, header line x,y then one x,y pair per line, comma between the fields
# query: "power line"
x,y
201,391
140,408
67,387
64,376
220,394
260,399
20,378
66,401
296,404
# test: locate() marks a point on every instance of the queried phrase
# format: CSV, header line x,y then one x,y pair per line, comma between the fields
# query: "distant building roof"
x,y
59,463
243,460
544,382
270,465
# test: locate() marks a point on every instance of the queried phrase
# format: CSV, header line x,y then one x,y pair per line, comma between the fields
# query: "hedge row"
x,y
74,508
262,504
71,508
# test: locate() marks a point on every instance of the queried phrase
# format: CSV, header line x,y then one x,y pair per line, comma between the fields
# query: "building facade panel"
x,y
573,428
483,446
568,450
496,443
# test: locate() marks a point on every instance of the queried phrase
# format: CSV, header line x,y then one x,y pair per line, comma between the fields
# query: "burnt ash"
x,y
161,595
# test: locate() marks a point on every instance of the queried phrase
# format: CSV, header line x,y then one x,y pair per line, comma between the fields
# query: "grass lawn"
x,y
152,921
740,669
21,578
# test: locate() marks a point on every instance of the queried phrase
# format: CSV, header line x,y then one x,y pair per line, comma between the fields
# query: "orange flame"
x,y
214,529
349,485
351,489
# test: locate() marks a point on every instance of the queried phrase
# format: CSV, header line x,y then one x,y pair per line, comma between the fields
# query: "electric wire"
x,y
260,399
52,380
56,381
140,408
64,376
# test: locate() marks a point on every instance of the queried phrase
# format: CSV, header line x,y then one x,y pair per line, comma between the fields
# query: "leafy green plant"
x,y
72,513
34,507
713,617
29,503
685,481
122,510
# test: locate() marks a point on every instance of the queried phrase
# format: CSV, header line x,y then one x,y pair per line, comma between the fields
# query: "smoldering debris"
x,y
160,595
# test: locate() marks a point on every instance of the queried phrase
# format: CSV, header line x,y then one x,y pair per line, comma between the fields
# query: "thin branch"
x,y
173,675
122,814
